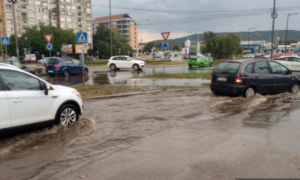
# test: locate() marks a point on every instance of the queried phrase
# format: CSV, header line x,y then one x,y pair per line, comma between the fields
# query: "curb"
x,y
141,93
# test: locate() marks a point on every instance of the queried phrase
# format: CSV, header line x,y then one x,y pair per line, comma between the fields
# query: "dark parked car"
x,y
14,62
247,77
65,66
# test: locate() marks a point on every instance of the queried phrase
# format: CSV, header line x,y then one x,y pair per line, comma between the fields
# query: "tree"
x,y
38,42
176,47
149,46
101,41
226,45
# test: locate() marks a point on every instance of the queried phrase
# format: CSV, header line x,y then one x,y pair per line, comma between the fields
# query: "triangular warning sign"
x,y
48,37
165,35
5,41
81,38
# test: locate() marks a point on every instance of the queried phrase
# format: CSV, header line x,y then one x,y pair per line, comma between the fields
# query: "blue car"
x,y
247,77
65,66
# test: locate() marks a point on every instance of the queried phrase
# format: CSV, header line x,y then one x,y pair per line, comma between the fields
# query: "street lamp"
x,y
287,24
111,44
15,26
249,37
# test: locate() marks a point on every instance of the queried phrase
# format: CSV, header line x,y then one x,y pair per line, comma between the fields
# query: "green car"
x,y
201,61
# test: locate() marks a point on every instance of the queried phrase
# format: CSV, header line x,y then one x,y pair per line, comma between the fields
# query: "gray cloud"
x,y
160,20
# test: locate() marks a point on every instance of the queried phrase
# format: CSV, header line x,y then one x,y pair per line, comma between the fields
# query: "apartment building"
x,y
63,14
126,25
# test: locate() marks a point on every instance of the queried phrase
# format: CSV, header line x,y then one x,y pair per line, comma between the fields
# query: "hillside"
x,y
259,35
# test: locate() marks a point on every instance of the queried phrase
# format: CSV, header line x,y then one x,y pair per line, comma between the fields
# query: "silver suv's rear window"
x,y
227,68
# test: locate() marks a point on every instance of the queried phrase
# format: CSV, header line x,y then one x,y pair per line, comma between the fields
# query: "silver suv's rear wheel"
x,y
67,115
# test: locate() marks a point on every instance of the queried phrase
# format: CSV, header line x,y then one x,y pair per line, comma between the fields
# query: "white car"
x,y
125,62
291,62
27,101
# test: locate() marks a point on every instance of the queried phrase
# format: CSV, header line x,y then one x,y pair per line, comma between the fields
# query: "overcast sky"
x,y
185,17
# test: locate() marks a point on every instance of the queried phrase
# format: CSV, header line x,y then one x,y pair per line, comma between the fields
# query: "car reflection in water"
x,y
67,81
116,77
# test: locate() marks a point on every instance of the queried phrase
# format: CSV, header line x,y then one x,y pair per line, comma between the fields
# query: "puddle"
x,y
124,77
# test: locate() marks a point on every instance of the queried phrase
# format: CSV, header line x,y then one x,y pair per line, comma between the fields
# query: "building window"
x,y
37,9
8,21
62,19
38,17
23,1
88,16
31,2
7,6
89,22
88,4
37,3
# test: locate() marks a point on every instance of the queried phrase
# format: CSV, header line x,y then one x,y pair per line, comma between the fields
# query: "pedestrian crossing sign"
x,y
82,38
5,41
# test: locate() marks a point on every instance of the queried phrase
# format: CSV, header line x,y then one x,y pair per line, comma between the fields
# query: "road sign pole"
x,y
5,52
83,64
50,52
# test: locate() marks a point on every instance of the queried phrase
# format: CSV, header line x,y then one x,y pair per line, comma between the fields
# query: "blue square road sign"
x,y
82,38
5,40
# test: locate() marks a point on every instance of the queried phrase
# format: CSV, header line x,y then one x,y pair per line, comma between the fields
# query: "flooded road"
x,y
127,77
189,134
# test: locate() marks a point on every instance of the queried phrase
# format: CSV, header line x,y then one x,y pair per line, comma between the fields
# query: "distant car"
x,y
30,57
65,66
90,59
170,58
125,62
291,62
19,65
44,61
176,55
28,101
200,61
251,76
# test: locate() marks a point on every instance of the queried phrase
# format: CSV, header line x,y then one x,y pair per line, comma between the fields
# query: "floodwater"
x,y
126,77
111,126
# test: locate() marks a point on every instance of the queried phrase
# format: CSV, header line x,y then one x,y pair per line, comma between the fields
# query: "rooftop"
x,y
114,17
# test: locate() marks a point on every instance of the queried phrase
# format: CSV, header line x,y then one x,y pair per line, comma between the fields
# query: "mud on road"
x,y
112,125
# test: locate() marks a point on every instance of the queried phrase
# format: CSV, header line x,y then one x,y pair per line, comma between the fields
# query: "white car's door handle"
x,y
17,100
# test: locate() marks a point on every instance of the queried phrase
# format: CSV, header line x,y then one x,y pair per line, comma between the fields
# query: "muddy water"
x,y
122,122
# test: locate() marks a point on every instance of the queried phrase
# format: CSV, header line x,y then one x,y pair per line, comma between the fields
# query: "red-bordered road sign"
x,y
48,37
165,35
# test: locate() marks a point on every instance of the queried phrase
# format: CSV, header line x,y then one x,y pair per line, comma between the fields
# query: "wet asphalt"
x,y
190,134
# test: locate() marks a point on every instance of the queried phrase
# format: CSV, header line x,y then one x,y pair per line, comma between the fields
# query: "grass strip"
x,y
100,90
178,76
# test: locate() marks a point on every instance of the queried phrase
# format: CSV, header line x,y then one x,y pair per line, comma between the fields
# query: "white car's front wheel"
x,y
112,67
136,67
67,115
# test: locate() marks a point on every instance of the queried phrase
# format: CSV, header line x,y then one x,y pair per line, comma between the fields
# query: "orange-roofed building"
x,y
126,26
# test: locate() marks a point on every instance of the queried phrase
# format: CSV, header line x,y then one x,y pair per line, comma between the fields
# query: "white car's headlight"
x,y
77,93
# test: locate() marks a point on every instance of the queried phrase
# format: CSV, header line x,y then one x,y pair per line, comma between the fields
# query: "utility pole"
x,y
111,44
29,49
274,16
286,32
249,39
15,27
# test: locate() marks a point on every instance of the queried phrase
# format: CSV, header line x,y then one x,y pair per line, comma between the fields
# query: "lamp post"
x,y
111,44
249,37
15,27
287,24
